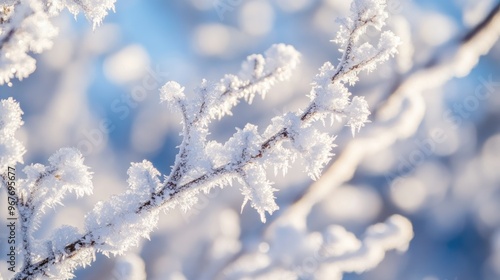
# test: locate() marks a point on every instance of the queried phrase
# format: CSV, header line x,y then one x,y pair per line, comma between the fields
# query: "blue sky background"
x,y
164,32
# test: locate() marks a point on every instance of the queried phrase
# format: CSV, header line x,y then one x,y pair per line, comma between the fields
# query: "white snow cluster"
x,y
25,27
323,255
11,149
45,187
113,226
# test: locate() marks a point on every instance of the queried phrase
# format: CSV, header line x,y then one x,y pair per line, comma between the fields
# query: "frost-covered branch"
x,y
384,131
115,225
45,187
455,59
11,149
324,255
402,121
392,121
25,27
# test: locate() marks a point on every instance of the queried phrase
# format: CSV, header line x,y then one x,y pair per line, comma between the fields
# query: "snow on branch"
x,y
11,149
94,10
395,234
113,226
383,132
25,27
45,187
324,255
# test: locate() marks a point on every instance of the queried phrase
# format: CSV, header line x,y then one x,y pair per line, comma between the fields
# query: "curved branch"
x,y
417,80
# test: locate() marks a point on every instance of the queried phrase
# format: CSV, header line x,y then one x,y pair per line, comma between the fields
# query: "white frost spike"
x,y
94,10
244,144
371,11
117,225
357,113
10,117
62,236
172,93
315,148
324,77
11,152
334,98
71,171
253,67
364,13
258,190
388,43
46,186
363,53
143,178
11,149
217,153
355,58
59,239
257,75
283,58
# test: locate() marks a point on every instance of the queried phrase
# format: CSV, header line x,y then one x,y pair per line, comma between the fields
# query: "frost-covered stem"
x,y
422,77
180,160
346,162
87,240
223,97
25,225
17,18
25,214
27,211
340,72
24,218
160,199
157,200
237,91
202,117
346,56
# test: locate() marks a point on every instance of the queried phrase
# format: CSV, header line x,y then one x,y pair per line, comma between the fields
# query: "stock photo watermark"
x,y
10,181
454,119
395,7
223,6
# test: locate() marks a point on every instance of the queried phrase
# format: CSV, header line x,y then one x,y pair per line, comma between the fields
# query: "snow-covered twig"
x,y
115,225
384,131
393,121
324,255
25,27
12,150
